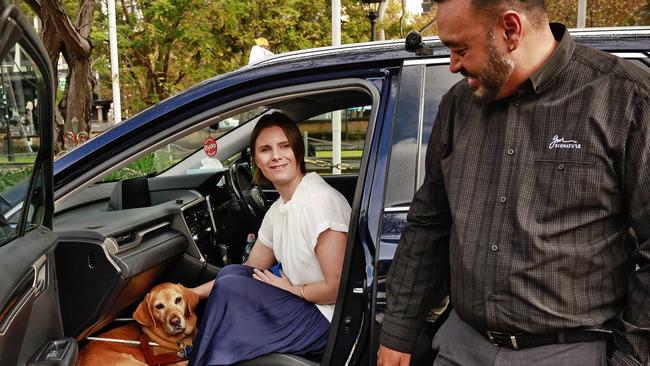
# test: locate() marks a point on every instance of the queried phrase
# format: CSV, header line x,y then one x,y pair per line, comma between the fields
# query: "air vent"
x,y
91,260
123,239
197,219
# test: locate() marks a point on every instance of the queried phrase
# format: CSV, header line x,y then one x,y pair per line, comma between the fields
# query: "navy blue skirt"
x,y
245,318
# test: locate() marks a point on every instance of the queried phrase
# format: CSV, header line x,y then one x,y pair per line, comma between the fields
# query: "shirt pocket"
x,y
564,189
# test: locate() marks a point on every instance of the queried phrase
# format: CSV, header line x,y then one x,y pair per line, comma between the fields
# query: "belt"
x,y
521,341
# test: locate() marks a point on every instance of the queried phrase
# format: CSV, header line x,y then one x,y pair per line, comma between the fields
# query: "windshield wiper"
x,y
4,221
4,203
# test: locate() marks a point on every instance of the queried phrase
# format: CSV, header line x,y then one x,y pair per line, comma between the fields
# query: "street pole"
x,y
336,115
115,71
582,13
10,143
336,22
372,16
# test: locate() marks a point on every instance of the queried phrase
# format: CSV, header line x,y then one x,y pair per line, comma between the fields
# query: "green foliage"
x,y
12,176
168,45
138,168
424,23
644,17
600,13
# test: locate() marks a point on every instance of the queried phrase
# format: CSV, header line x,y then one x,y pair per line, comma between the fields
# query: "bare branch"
x,y
180,77
127,16
85,17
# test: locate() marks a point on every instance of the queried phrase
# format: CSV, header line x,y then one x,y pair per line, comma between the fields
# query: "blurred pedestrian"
x,y
260,51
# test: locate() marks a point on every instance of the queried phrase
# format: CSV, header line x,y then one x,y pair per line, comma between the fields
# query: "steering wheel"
x,y
249,195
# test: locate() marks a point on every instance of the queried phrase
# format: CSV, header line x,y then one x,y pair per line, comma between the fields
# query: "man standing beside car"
x,y
535,207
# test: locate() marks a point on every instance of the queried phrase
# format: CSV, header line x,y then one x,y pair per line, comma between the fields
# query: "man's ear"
x,y
191,299
142,314
512,29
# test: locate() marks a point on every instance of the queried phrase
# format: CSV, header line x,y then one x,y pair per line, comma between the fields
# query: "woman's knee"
x,y
232,285
234,269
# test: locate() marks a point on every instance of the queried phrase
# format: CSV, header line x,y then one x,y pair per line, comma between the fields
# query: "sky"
x,y
413,6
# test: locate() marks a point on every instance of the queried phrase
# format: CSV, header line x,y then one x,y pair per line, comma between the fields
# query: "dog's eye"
x,y
178,299
160,306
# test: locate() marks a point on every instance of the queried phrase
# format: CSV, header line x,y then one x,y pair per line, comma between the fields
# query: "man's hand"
x,y
390,357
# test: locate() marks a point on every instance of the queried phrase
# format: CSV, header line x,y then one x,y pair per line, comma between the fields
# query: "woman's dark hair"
x,y
293,136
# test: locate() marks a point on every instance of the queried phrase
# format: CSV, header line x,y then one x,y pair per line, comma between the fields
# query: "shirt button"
x,y
517,102
511,151
560,167
503,199
494,247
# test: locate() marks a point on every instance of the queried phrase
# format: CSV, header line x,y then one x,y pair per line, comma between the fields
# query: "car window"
x,y
417,107
320,151
21,87
171,154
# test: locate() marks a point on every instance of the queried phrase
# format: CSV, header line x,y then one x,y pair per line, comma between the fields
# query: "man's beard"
x,y
493,74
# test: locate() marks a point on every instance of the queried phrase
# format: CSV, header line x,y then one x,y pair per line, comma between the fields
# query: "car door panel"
x,y
30,315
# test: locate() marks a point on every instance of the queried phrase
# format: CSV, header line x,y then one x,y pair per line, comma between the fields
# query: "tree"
x,y
644,17
424,23
62,36
167,46
600,13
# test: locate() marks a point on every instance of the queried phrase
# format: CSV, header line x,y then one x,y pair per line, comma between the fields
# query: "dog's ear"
x,y
191,299
142,314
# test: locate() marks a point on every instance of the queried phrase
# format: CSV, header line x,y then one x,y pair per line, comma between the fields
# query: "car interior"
x,y
173,213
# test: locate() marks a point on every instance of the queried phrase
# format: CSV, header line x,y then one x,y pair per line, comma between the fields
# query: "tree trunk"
x,y
380,20
54,46
72,40
79,96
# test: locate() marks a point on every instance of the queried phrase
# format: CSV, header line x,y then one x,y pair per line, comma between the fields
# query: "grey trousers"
x,y
457,343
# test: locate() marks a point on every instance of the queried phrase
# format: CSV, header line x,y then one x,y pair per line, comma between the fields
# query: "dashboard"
x,y
118,239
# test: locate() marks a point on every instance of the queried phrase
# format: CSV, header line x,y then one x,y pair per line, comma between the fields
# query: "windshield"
x,y
171,154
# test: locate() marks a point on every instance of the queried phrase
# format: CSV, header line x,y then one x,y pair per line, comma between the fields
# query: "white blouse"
x,y
291,230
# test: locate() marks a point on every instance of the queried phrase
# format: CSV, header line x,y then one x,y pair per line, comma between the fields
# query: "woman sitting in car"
x,y
250,311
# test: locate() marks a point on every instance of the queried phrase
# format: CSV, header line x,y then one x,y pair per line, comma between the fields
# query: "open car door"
x,y
30,320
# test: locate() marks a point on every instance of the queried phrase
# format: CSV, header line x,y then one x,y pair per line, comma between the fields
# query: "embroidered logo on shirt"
x,y
561,143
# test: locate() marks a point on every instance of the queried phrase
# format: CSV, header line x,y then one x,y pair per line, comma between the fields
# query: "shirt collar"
x,y
301,187
543,77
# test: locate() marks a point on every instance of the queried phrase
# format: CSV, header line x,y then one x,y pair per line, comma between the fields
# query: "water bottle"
x,y
250,241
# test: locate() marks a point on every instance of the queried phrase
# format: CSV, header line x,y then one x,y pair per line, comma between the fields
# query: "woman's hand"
x,y
280,282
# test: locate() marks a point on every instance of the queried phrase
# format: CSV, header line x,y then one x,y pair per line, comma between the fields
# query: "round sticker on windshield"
x,y
210,146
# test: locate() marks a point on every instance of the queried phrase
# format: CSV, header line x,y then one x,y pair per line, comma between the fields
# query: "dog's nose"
x,y
175,321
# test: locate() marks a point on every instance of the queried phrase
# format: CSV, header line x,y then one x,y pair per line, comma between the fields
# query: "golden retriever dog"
x,y
165,315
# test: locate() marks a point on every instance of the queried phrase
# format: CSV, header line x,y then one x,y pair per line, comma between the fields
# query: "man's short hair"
x,y
535,9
